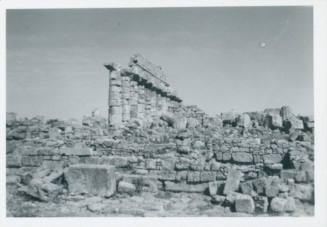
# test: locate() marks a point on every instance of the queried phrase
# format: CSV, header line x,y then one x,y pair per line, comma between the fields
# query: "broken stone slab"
x,y
233,181
183,187
98,180
244,204
41,190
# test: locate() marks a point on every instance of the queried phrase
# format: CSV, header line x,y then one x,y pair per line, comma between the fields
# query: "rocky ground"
x,y
180,164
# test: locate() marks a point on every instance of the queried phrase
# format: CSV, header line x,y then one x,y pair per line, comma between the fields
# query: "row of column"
x,y
136,94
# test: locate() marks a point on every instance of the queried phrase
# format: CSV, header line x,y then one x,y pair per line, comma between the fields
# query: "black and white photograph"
x,y
160,112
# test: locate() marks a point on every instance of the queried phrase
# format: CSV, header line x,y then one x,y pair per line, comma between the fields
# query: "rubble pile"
x,y
250,163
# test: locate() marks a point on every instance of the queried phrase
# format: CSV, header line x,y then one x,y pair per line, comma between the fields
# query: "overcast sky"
x,y
245,58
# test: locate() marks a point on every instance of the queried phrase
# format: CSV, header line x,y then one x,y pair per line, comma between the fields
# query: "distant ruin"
x,y
138,92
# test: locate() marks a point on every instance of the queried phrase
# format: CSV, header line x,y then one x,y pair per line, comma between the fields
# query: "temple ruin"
x,y
138,92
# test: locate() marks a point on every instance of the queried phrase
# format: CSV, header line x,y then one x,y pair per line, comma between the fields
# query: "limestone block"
x,y
126,187
261,204
242,157
278,204
98,180
272,186
272,158
183,187
244,204
233,181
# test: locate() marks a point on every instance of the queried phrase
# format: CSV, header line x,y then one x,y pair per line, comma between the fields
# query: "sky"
x,y
219,58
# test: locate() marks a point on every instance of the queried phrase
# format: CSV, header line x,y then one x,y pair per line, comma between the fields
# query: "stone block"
x,y
206,176
259,185
227,156
183,187
303,192
99,180
287,174
216,187
13,161
272,186
278,204
233,181
80,151
242,157
126,187
193,176
244,204
261,204
290,205
272,158
247,187
31,161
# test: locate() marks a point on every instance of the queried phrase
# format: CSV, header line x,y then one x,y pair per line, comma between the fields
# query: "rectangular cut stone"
x,y
244,204
98,180
233,181
272,158
206,176
183,187
242,157
80,151
193,176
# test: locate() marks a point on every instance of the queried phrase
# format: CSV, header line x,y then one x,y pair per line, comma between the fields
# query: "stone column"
x,y
114,98
125,98
153,97
141,102
133,99
147,105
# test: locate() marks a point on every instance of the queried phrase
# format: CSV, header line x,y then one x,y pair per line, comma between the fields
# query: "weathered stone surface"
x,y
216,187
290,205
76,151
13,161
242,157
126,187
278,204
31,161
288,173
304,192
99,180
193,176
247,188
272,186
261,204
206,176
272,158
244,204
218,199
259,185
183,187
42,190
233,181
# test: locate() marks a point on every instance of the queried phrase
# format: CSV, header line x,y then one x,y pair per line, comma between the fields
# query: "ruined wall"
x,y
138,92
